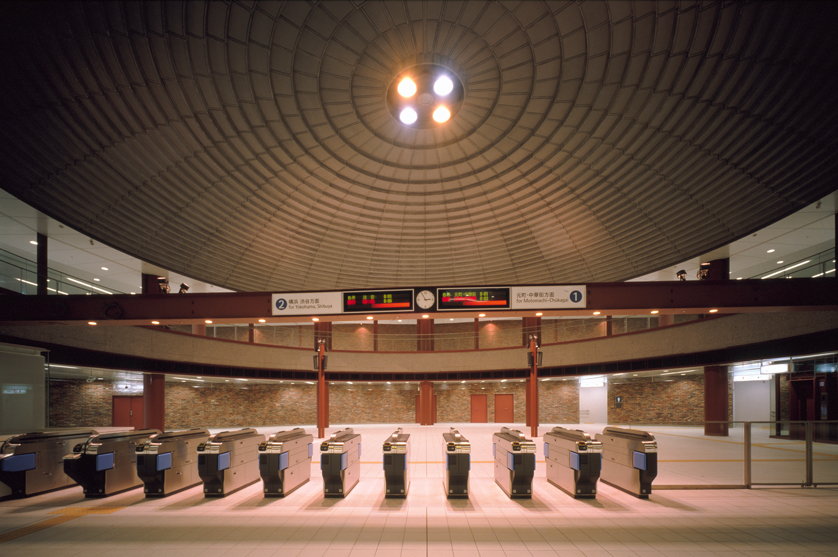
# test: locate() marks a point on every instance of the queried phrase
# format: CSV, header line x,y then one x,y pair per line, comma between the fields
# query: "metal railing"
x,y
819,265
806,457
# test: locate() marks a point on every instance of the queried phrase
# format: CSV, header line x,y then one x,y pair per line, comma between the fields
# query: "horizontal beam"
x,y
621,298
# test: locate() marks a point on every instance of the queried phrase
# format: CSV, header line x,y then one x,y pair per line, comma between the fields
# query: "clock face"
x,y
425,299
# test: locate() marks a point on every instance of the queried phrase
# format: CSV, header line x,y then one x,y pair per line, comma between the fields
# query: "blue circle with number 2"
x,y
281,304
575,296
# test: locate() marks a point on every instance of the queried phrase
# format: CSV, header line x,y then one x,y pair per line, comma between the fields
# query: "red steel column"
x,y
426,403
322,394
154,401
425,340
477,333
715,400
532,390
43,265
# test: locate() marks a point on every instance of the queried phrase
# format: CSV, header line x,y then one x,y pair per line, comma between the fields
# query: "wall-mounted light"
x,y
163,285
183,288
682,275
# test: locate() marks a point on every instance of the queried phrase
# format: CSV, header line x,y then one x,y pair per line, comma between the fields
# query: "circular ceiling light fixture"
x,y
407,88
443,86
425,95
442,114
408,116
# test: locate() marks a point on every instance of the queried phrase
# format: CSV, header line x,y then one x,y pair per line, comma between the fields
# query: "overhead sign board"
x,y
548,297
306,303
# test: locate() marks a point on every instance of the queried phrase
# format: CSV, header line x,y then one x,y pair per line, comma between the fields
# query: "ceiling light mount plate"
x,y
433,86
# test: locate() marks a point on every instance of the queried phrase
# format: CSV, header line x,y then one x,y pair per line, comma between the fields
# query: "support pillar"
x,y
251,333
43,265
477,333
716,400
426,403
154,401
425,335
532,390
199,329
665,320
375,335
322,392
609,325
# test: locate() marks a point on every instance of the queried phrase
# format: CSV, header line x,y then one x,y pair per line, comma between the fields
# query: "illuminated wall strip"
x,y
786,269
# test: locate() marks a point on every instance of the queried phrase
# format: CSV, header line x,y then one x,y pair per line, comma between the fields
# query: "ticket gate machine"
x,y
514,462
340,462
629,460
285,461
228,461
573,461
457,464
396,453
107,463
34,462
168,462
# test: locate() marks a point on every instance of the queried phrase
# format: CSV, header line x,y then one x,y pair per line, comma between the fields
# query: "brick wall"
x,y
77,403
645,401
500,334
238,405
362,403
558,402
454,400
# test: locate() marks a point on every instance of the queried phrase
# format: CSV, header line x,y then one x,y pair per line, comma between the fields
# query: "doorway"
x,y
504,409
479,409
127,412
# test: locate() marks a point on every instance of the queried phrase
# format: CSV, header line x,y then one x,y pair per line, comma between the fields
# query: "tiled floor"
x,y
766,521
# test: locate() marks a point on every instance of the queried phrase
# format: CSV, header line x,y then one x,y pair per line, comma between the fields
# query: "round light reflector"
x,y
441,114
408,116
407,88
443,86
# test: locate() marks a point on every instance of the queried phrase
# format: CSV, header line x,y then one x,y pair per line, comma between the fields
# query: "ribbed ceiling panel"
x,y
250,144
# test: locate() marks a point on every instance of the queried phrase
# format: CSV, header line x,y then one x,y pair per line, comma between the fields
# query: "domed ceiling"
x,y
251,145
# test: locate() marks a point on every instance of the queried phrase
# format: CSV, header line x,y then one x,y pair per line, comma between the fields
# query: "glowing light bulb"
x,y
442,114
407,88
443,86
408,116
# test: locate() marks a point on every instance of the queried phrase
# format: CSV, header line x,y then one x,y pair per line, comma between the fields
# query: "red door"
x,y
504,410
479,409
127,411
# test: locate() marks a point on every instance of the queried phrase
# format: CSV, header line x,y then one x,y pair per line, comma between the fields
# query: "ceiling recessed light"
x,y
408,116
441,114
33,242
207,321
713,310
91,322
369,316
97,280
597,312
780,262
104,268
315,319
425,316
738,278
539,314
770,251
654,311
155,322
482,315
261,321
407,88
443,86
452,319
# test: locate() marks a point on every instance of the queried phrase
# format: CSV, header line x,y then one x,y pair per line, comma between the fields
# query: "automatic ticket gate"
x,y
228,461
285,461
457,464
573,461
629,459
168,461
340,462
34,462
514,462
396,453
107,463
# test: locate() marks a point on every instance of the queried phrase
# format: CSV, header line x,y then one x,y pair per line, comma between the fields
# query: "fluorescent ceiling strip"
x,y
89,285
786,269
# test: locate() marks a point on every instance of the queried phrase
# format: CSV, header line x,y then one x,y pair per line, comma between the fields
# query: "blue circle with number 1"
x,y
281,304
575,296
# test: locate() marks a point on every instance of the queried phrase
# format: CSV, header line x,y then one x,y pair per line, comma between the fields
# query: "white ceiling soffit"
x,y
250,145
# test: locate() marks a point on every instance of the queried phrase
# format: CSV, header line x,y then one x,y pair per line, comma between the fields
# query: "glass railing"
x,y
817,266
21,275
751,455
459,336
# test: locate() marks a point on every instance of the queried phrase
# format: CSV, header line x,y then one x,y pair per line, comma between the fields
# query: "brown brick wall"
x,y
77,403
558,402
500,334
239,405
645,401
454,400
362,403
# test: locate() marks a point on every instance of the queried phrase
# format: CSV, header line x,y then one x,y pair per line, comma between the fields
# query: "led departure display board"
x,y
472,298
380,300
